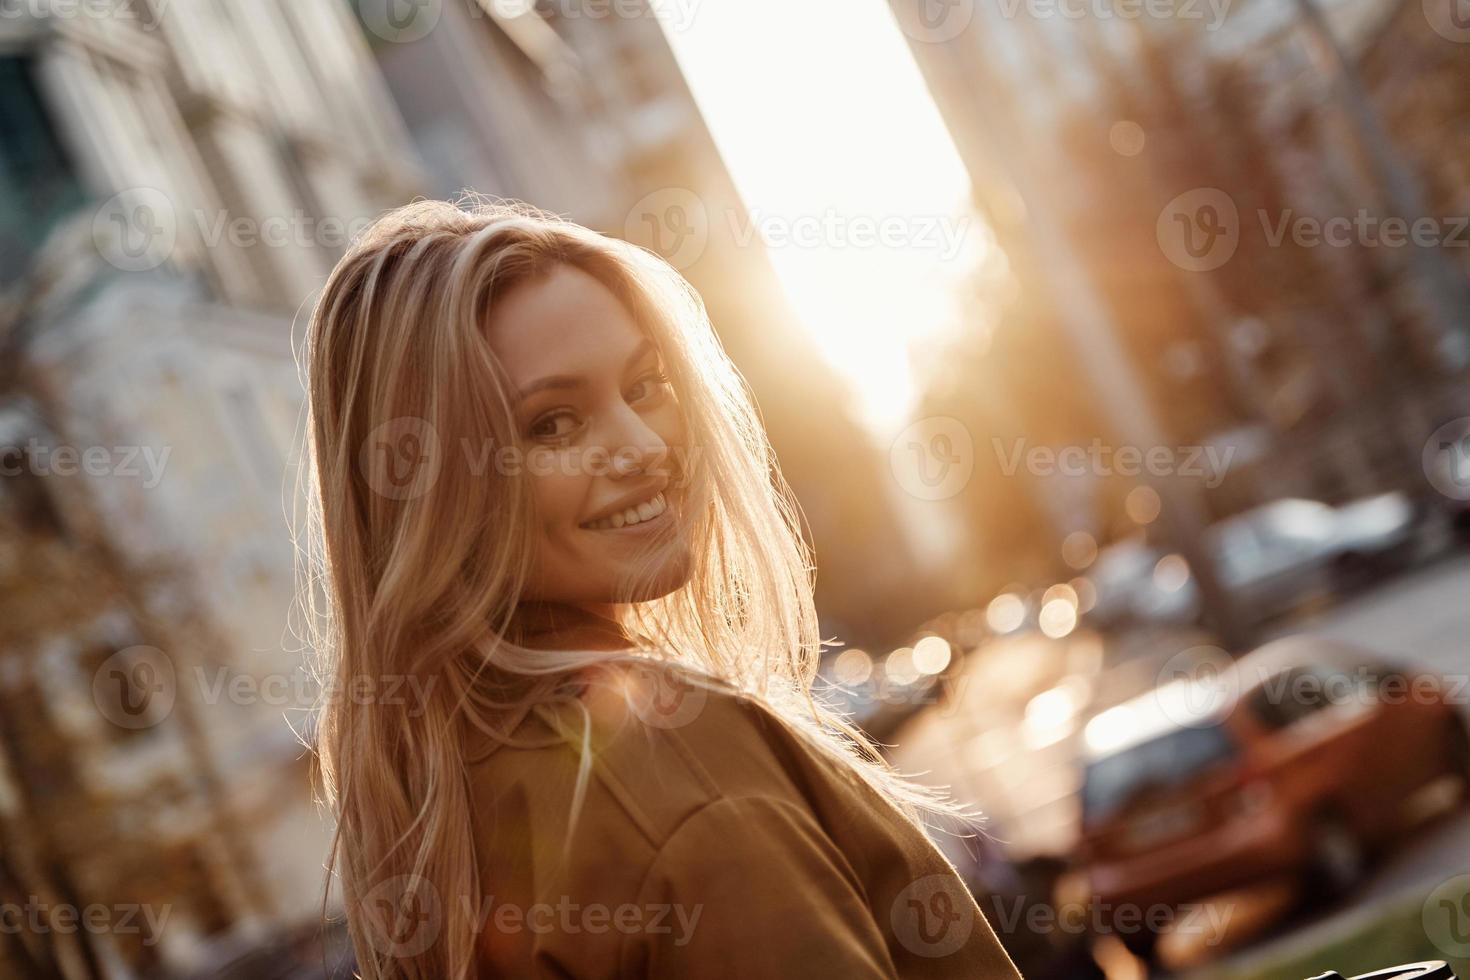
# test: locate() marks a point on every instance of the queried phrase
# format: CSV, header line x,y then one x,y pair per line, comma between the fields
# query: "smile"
x,y
647,513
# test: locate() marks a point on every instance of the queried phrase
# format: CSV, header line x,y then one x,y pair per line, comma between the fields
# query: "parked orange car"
x,y
1303,758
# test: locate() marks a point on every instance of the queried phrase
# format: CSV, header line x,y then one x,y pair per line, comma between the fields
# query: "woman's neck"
x,y
545,624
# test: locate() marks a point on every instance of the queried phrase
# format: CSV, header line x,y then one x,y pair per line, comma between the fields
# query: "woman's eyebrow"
x,y
574,381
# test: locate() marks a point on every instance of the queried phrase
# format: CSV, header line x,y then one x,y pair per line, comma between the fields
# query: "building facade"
x,y
176,180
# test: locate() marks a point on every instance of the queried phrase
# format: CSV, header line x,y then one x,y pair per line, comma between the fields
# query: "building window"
x,y
38,185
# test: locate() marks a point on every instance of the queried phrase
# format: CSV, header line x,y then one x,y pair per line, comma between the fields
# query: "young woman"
x,y
567,637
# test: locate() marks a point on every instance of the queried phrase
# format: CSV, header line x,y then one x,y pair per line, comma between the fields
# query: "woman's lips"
x,y
660,502
652,524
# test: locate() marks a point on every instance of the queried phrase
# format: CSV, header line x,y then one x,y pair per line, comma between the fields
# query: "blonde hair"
x,y
422,579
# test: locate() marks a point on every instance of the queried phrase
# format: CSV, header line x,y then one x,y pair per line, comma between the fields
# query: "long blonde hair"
x,y
421,578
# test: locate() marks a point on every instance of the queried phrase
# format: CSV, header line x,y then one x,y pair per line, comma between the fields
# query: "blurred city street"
x,y
1117,355
1422,617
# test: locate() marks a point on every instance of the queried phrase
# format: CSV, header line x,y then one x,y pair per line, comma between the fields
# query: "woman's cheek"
x,y
540,463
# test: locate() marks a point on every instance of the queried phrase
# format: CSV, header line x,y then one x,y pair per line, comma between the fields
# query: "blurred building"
x,y
583,110
176,179
1321,369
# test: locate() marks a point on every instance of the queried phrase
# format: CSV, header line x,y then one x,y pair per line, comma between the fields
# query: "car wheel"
x,y
1338,861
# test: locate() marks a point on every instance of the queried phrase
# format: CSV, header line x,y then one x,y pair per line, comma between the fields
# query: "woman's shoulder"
x,y
662,740
706,811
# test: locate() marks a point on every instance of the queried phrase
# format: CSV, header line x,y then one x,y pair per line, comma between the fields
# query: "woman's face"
x,y
603,435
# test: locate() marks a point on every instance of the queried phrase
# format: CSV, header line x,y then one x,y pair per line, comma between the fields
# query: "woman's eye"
x,y
652,385
558,425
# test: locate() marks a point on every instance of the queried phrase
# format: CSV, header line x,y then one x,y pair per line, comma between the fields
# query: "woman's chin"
x,y
672,574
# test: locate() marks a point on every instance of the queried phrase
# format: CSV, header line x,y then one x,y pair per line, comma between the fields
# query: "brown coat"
x,y
713,843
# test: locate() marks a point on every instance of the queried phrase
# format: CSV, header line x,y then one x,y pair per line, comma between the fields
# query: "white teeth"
x,y
645,511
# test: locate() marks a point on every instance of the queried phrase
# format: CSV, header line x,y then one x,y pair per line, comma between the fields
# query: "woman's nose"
x,y
635,447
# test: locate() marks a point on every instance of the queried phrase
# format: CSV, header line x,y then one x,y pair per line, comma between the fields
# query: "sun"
x,y
849,175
